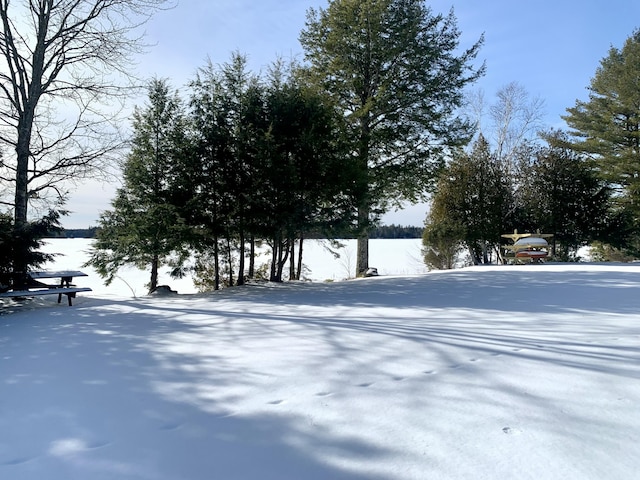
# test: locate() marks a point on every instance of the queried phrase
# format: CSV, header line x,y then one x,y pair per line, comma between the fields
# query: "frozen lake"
x,y
389,256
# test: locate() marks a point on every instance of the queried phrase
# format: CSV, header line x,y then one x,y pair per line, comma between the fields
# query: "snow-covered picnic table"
x,y
36,287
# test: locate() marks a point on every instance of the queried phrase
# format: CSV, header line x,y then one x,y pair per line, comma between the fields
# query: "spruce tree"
x,y
144,227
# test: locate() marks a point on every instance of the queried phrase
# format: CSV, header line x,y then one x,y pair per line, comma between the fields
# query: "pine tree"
x,y
144,228
396,74
607,126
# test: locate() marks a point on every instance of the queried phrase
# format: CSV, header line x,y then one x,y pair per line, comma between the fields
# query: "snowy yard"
x,y
518,372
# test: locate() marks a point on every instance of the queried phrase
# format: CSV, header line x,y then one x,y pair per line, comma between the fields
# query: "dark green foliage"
x,y
15,241
442,242
396,231
144,227
606,127
396,74
265,165
563,195
554,191
473,202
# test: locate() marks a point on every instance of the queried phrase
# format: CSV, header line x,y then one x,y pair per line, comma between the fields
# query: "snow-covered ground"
x,y
511,372
390,257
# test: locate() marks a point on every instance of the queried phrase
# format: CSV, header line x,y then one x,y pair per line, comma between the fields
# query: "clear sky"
x,y
551,48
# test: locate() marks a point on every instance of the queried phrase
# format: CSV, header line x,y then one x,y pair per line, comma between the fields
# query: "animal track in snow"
x,y
365,385
277,402
323,394
511,431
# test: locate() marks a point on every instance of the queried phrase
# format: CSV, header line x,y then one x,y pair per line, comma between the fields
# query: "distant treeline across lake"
x,y
383,231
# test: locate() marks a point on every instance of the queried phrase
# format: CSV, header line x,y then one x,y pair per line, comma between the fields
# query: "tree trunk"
x,y
153,283
252,257
216,262
485,253
230,261
299,274
292,259
364,205
274,260
21,200
284,256
362,261
240,280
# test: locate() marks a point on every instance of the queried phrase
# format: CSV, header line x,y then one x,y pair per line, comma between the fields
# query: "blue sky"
x,y
551,48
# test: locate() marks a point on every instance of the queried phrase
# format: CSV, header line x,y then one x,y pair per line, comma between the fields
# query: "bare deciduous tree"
x,y
514,119
64,71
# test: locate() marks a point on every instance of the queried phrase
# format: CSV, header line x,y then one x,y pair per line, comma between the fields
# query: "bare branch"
x,y
65,69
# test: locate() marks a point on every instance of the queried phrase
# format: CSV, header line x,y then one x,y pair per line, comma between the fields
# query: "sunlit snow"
x,y
519,372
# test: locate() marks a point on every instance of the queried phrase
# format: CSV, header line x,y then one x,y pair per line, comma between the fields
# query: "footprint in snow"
x,y
429,372
511,431
323,394
276,402
365,385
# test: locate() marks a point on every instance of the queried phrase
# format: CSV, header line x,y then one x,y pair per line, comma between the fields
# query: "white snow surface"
x,y
505,372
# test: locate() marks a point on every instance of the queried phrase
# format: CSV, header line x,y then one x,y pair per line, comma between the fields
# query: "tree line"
x,y
361,127
581,185
245,160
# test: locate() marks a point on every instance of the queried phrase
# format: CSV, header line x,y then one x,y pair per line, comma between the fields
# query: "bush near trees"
x,y
553,190
23,242
562,195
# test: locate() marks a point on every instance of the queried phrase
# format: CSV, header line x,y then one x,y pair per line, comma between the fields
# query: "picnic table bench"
x,y
36,287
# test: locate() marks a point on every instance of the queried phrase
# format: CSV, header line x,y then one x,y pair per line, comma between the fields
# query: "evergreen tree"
x,y
24,238
563,196
394,73
144,228
607,125
473,200
227,114
307,188
442,241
